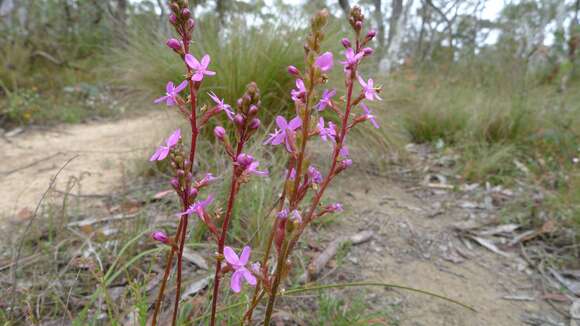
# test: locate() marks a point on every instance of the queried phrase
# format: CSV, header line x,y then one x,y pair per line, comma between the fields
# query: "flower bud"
x,y
160,236
255,124
219,132
190,23
173,44
371,34
346,163
193,192
346,43
185,13
358,25
367,51
244,159
172,18
293,71
239,120
180,173
334,208
253,110
174,183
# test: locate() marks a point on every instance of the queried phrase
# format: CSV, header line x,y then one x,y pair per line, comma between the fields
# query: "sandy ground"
x,y
410,246
103,150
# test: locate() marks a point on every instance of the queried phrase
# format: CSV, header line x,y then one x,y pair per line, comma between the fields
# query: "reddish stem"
x,y
224,231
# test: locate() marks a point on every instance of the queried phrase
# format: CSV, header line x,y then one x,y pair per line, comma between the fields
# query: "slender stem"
x,y
224,231
179,268
163,283
277,279
315,201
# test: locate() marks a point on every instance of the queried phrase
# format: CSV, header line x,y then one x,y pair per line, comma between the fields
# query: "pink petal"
x,y
231,257
281,122
191,61
205,61
155,156
198,76
295,123
163,152
174,138
362,82
278,139
250,278
236,281
169,87
245,256
325,61
209,73
161,99
181,87
169,101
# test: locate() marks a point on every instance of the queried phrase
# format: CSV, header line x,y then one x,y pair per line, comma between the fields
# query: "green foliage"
x,y
333,310
239,55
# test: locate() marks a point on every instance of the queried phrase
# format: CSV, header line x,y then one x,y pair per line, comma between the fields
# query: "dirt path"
x,y
414,248
104,151
411,246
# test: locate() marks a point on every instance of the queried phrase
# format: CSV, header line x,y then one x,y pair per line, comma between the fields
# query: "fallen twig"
x,y
325,256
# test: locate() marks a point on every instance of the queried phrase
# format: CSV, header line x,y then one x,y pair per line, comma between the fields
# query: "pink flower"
x,y
171,93
325,61
163,150
314,175
198,208
344,152
206,180
238,264
299,92
326,99
199,67
283,214
296,217
368,115
221,105
352,59
250,165
284,132
325,133
369,89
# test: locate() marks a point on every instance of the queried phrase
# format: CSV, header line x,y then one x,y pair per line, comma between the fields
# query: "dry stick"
x,y
34,215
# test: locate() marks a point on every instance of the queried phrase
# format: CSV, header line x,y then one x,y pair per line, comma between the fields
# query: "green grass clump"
x,y
259,54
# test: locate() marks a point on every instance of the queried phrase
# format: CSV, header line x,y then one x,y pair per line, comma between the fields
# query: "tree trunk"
x,y
221,12
396,35
396,10
345,5
380,28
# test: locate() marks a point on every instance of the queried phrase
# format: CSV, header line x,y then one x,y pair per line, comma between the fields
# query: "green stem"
x,y
388,285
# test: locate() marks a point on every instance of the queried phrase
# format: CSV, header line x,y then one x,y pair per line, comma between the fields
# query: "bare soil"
x,y
414,243
104,152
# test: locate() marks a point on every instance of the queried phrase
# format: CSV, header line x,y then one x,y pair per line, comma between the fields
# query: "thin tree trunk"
x,y
345,5
380,28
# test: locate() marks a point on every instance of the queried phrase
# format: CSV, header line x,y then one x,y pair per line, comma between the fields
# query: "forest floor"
x,y
425,233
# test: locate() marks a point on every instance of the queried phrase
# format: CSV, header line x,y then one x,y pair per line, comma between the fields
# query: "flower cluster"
x,y
304,185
